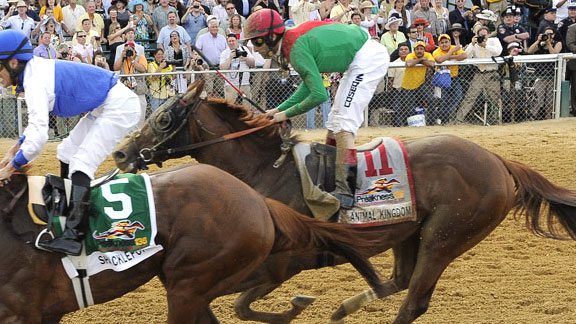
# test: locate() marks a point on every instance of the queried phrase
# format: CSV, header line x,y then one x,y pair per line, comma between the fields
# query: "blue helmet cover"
x,y
15,44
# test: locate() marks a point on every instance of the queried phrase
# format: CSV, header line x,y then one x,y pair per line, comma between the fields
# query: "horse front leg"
x,y
245,313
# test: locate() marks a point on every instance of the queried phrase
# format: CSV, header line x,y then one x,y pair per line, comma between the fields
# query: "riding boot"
x,y
64,169
345,180
71,240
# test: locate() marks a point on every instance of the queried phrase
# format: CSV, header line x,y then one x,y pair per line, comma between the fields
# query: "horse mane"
x,y
247,117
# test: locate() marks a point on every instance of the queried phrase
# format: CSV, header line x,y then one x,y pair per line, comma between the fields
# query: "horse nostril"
x,y
119,156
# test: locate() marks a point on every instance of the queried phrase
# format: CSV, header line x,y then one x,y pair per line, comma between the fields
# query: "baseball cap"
x,y
444,36
419,43
551,9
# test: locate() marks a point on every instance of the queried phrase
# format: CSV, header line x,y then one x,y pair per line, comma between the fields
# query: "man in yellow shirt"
x,y
414,90
450,97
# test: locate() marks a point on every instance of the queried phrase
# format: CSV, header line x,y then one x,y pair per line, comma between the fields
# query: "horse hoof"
x,y
302,301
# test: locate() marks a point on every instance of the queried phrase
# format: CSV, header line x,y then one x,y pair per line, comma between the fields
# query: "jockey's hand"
x,y
279,117
6,173
270,113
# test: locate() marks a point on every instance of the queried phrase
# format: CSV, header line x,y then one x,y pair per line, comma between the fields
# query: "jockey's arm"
x,y
311,92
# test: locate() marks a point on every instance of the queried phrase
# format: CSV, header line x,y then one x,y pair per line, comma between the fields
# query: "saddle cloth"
x,y
384,187
122,223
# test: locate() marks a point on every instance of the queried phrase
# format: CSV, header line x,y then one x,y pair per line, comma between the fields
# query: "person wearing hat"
x,y
343,11
20,21
316,46
497,7
371,21
393,37
458,35
451,97
65,89
427,13
399,11
415,90
548,21
422,35
485,19
567,22
302,9
141,21
508,32
96,20
462,16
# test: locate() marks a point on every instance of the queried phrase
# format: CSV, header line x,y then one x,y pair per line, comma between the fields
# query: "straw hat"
x,y
487,15
391,20
366,4
21,4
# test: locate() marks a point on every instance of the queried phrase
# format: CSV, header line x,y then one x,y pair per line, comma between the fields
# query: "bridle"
x,y
15,196
171,129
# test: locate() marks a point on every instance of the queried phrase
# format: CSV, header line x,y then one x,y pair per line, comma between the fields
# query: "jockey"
x,y
66,89
314,47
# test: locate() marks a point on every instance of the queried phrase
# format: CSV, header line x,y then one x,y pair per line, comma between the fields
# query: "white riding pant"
x,y
99,131
357,87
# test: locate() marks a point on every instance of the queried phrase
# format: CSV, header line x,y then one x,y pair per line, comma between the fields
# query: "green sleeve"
x,y
311,92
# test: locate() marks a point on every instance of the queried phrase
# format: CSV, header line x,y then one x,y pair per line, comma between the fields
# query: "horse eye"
x,y
164,121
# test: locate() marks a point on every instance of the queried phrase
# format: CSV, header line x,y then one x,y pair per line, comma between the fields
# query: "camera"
x,y
480,38
97,38
195,6
240,52
64,54
129,53
545,37
199,62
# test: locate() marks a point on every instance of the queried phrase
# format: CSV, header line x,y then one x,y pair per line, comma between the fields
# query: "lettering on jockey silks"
x,y
352,91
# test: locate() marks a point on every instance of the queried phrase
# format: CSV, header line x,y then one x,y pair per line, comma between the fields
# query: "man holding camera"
x,y
236,58
485,78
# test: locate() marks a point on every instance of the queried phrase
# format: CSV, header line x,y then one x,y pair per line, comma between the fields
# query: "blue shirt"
x,y
193,25
212,46
43,51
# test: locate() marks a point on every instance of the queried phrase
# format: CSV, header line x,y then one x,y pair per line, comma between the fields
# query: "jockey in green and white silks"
x,y
314,47
65,89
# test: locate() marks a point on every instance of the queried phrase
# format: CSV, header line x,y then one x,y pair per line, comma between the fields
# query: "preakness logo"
x,y
352,91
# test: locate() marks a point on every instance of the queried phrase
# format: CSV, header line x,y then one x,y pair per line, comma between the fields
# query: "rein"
x,y
15,198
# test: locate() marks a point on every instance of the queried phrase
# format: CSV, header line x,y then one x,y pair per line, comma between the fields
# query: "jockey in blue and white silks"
x,y
66,89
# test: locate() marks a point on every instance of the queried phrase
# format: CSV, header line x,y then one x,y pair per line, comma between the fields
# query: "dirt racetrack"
x,y
511,277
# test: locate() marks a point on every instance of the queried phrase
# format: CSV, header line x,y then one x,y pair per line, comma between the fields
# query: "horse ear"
x,y
194,91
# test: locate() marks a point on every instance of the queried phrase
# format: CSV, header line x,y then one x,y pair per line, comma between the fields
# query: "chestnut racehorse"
x,y
463,192
215,230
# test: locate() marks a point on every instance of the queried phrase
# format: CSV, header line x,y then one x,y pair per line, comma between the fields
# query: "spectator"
x,y
55,7
64,53
112,22
100,60
212,44
219,11
325,9
236,27
415,89
179,57
392,37
180,8
238,58
545,44
164,36
49,17
115,39
485,19
302,9
548,22
206,30
427,14
208,5
83,49
571,48
71,14
160,16
458,35
129,37
141,22
31,11
561,9
130,61
55,35
356,20
452,96
565,23
91,34
497,7
152,5
461,16
243,7
96,21
395,76
123,14
230,10
194,20
422,35
404,15
485,80
267,4
20,21
370,22
441,16
44,48
343,11
100,8
161,88
508,32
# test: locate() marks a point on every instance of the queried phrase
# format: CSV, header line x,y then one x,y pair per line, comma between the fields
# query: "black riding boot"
x,y
345,179
71,240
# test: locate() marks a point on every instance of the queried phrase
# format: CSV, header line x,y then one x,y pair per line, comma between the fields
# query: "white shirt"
x,y
561,12
493,48
236,64
16,23
71,16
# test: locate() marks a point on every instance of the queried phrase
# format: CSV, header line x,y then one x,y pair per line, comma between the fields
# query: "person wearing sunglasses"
x,y
314,47
66,89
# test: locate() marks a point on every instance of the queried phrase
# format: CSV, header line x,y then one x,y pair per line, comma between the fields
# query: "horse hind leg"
x,y
245,313
404,264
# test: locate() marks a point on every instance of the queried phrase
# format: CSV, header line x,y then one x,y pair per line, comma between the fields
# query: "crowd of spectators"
x,y
139,36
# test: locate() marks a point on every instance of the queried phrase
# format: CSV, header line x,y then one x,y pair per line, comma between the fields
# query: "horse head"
x,y
186,123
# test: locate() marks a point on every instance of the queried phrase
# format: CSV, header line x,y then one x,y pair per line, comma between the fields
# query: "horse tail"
x,y
532,190
295,231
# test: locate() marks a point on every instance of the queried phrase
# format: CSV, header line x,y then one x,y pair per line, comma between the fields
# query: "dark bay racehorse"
x,y
215,231
463,192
